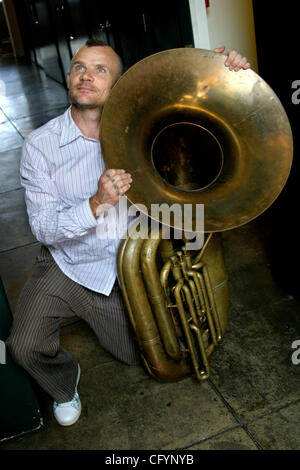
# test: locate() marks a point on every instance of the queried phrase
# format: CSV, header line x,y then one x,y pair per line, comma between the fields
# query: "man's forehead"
x,y
93,53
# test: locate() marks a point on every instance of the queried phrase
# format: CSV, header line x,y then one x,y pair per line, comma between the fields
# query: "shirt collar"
x,y
69,130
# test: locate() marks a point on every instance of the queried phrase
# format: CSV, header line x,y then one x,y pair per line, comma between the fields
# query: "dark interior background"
x,y
277,35
54,29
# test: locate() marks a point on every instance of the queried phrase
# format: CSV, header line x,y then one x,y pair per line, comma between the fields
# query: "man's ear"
x,y
68,78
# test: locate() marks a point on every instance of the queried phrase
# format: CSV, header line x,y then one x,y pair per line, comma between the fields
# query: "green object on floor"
x,y
19,407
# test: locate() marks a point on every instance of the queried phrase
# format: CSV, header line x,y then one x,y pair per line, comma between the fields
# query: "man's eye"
x,y
79,67
100,69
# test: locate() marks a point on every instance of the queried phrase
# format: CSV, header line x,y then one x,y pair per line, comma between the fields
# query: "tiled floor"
x,y
251,401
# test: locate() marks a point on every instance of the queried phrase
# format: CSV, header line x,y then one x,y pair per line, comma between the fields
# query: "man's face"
x,y
94,70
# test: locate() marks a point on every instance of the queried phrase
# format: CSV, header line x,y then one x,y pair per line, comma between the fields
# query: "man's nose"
x,y
87,75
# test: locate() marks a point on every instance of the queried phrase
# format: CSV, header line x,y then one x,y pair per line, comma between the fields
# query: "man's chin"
x,y
83,106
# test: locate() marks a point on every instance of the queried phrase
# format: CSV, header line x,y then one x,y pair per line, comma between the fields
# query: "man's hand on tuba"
x,y
234,61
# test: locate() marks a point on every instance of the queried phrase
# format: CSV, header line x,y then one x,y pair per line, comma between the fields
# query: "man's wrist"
x,y
94,205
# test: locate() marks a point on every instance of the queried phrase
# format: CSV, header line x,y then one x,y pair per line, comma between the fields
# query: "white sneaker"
x,y
68,413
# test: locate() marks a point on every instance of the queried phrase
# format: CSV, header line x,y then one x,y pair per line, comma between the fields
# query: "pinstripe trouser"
x,y
47,299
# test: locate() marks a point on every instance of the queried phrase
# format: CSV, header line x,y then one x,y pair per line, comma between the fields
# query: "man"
x,y
75,273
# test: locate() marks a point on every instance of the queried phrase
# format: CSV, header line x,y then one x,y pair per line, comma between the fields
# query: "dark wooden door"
x,y
141,28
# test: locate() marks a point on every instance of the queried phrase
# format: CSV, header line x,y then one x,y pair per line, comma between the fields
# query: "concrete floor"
x,y
252,399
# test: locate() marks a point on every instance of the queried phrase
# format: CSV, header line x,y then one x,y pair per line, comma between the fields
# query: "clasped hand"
x,y
112,184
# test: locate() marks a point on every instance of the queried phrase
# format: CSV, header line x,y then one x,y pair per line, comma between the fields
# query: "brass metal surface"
x,y
228,126
190,132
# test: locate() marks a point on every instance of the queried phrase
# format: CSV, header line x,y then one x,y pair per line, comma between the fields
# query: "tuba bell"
x,y
190,132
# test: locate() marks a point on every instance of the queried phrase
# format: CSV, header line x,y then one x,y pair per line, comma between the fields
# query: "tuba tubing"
x,y
148,306
138,306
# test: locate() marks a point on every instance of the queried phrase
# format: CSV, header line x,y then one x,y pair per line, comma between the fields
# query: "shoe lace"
x,y
74,402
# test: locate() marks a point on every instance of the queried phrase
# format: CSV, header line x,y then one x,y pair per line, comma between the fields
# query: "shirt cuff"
x,y
85,215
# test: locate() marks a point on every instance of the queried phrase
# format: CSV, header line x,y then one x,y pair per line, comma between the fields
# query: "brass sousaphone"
x,y
190,132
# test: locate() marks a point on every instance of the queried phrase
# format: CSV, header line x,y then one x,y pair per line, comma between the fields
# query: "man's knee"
x,y
21,349
14,348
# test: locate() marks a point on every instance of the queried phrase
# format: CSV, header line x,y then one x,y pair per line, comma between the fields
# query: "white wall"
x,y
225,22
231,23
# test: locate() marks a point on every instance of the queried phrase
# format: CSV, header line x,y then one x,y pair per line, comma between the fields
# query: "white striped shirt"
x,y
60,169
